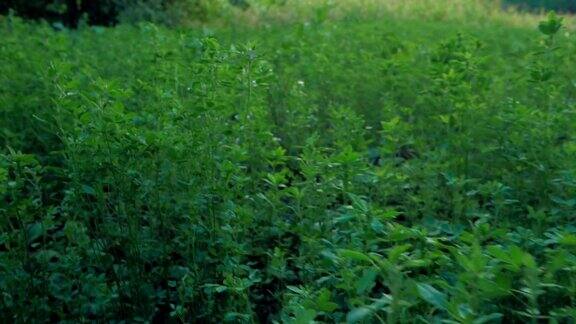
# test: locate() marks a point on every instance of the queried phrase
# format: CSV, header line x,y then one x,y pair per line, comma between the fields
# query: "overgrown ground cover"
x,y
388,170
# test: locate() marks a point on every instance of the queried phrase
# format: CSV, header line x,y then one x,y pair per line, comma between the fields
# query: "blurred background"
x,y
565,6
180,12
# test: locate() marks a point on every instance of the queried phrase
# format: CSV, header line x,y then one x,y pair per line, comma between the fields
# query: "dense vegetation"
x,y
111,12
360,170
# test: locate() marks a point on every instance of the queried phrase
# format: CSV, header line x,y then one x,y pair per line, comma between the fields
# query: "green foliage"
x,y
358,171
551,26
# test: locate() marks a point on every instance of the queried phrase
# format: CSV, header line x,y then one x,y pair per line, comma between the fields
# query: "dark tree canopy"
x,y
102,12
110,12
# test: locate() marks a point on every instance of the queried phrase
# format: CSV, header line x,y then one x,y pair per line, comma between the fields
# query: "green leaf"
x,y
297,290
354,255
499,253
304,316
487,318
215,288
529,261
86,189
367,281
377,226
388,214
361,313
358,314
45,256
359,203
417,263
236,317
568,239
517,256
35,231
324,303
432,296
395,252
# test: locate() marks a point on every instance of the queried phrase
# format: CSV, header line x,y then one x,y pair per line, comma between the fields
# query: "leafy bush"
x,y
356,171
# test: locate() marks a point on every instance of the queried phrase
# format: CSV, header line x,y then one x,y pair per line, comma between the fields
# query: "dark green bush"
x,y
102,12
110,12
557,5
